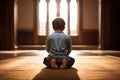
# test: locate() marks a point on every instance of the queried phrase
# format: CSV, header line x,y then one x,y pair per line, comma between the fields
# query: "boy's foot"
x,y
64,64
53,64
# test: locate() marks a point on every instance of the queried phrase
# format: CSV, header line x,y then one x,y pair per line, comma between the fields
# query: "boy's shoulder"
x,y
58,34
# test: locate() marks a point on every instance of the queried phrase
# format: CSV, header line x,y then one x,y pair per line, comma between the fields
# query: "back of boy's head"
x,y
58,24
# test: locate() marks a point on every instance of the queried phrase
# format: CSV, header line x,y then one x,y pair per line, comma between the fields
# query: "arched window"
x,y
50,9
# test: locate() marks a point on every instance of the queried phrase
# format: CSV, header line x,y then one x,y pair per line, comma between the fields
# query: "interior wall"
x,y
109,25
25,32
115,25
90,22
90,14
25,14
7,25
26,22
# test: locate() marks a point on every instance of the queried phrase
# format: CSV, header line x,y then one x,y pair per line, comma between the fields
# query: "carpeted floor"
x,y
27,65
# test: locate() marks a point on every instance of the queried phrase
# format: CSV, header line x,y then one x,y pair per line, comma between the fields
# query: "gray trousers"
x,y
69,65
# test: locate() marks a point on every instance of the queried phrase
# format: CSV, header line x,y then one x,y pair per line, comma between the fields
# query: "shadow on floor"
x,y
49,74
6,56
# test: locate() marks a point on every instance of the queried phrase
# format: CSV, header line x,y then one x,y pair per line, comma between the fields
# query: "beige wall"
x,y
25,14
90,14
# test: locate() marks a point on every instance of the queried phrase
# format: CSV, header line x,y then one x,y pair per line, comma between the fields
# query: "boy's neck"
x,y
58,31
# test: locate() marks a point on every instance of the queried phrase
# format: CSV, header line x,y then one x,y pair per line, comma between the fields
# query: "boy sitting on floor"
x,y
58,45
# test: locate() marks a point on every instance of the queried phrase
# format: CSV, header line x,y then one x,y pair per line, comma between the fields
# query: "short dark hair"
x,y
58,23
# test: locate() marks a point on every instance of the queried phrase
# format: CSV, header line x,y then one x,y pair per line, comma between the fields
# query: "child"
x,y
58,45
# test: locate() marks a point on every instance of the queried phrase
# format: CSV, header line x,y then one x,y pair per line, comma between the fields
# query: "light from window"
x,y
52,14
63,13
42,17
73,17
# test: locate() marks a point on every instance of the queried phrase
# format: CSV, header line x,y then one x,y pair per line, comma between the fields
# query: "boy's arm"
x,y
69,46
47,45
